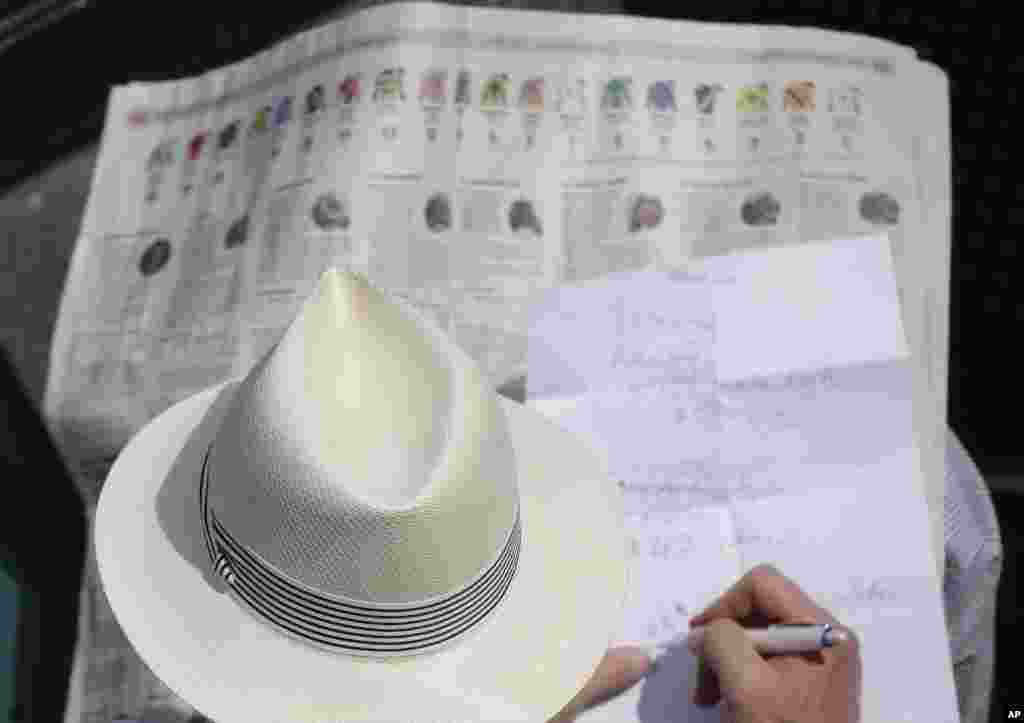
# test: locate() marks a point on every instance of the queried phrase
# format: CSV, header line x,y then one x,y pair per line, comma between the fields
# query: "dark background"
x,y
58,107
65,69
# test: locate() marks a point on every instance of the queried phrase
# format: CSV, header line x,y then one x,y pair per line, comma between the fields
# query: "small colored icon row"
x,y
617,95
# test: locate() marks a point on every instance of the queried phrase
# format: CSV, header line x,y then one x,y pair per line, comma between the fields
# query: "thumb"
x,y
739,668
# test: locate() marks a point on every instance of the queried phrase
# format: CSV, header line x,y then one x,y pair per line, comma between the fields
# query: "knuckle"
x,y
853,641
720,624
766,570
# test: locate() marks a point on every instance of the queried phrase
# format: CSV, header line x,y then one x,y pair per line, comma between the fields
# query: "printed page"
x,y
707,147
508,242
277,257
198,337
931,159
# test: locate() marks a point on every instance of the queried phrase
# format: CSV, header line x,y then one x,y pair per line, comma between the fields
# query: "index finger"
x,y
765,592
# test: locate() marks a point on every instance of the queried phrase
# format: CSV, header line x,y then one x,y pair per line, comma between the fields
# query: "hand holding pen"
x,y
821,685
767,653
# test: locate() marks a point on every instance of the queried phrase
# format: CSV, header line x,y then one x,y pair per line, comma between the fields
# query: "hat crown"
x,y
364,458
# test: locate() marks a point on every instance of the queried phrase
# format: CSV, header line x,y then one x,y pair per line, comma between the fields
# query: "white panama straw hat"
x,y
362,530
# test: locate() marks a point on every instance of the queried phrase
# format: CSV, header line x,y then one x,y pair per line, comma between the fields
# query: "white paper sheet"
x,y
794,444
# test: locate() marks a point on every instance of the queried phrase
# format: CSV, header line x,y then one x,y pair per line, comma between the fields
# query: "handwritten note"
x,y
622,334
678,565
756,408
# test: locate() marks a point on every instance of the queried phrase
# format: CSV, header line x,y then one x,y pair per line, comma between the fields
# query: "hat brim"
x,y
525,662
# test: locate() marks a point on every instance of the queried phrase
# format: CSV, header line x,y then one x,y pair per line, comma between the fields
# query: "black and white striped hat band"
x,y
356,629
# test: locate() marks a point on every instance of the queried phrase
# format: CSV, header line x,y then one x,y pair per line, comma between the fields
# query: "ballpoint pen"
x,y
772,640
